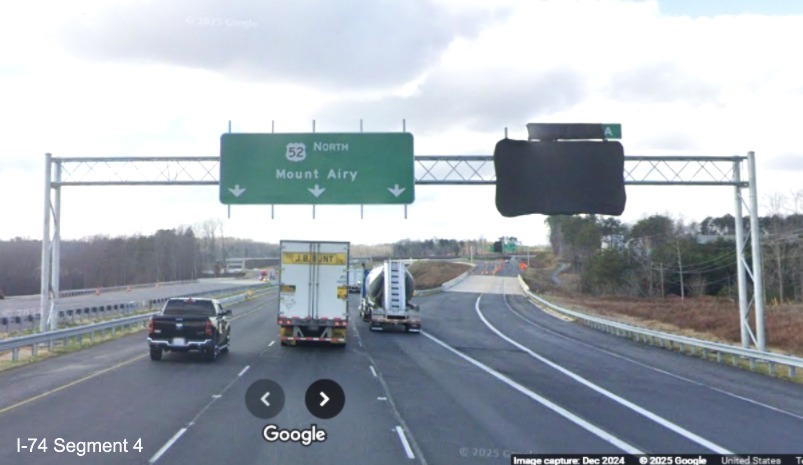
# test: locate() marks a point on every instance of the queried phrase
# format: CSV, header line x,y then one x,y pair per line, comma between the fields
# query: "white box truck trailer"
x,y
313,292
356,274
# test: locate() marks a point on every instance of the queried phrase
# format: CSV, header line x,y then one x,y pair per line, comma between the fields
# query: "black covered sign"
x,y
554,178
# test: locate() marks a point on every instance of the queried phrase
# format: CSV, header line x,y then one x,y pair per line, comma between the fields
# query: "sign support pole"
x,y
741,266
55,259
758,267
45,271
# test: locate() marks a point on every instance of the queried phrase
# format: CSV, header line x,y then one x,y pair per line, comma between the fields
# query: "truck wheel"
x,y
156,354
211,354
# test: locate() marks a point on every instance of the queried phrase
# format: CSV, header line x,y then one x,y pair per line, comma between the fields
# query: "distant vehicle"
x,y
187,324
355,279
313,292
386,298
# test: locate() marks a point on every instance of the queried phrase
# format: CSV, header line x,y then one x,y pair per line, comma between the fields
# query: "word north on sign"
x,y
317,168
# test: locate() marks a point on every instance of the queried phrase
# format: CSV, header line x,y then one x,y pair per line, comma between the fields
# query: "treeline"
x,y
100,261
183,253
215,247
658,255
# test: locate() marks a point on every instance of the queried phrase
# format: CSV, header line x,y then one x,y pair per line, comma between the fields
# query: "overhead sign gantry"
x,y
432,170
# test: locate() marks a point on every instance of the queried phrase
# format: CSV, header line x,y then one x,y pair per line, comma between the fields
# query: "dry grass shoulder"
x,y
430,274
709,318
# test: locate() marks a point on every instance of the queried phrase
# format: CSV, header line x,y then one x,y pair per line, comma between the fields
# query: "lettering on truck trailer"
x,y
307,258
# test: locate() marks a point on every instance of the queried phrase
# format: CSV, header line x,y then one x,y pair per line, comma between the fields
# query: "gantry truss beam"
x,y
429,170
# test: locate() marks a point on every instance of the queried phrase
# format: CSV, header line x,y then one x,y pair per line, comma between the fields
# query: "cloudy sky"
x,y
162,78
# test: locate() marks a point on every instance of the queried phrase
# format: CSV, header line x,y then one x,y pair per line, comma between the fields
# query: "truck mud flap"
x,y
391,325
290,335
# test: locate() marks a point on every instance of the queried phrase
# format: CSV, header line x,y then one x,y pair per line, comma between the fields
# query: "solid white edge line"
x,y
243,371
640,410
403,439
167,445
271,343
644,365
373,372
602,434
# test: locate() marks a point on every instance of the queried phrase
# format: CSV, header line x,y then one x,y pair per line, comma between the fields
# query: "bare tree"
x,y
776,204
697,285
207,232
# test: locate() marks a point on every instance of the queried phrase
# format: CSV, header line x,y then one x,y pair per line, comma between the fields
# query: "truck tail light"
x,y
208,329
150,326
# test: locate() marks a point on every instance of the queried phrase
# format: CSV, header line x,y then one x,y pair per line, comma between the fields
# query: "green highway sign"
x,y
612,131
317,168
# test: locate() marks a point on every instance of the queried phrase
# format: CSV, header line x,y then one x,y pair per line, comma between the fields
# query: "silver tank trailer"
x,y
375,286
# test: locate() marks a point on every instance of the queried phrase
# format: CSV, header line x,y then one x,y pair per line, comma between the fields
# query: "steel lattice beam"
x,y
429,170
133,171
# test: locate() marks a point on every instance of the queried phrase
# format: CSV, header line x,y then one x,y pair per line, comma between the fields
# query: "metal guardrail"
x,y
71,313
249,287
79,332
684,343
77,292
447,285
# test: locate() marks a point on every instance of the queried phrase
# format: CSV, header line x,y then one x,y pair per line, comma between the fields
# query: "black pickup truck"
x,y
190,324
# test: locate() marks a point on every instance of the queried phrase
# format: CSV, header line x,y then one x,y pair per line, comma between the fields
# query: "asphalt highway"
x,y
490,375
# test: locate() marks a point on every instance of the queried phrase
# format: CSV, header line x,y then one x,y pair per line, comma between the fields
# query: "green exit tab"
x,y
611,131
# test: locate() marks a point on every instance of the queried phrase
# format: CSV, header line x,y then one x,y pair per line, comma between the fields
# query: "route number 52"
x,y
296,151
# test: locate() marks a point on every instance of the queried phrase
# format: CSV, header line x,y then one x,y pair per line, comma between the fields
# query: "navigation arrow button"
x,y
316,191
396,190
237,190
256,398
325,398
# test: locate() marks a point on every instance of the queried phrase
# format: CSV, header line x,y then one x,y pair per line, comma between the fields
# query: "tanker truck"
x,y
386,294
